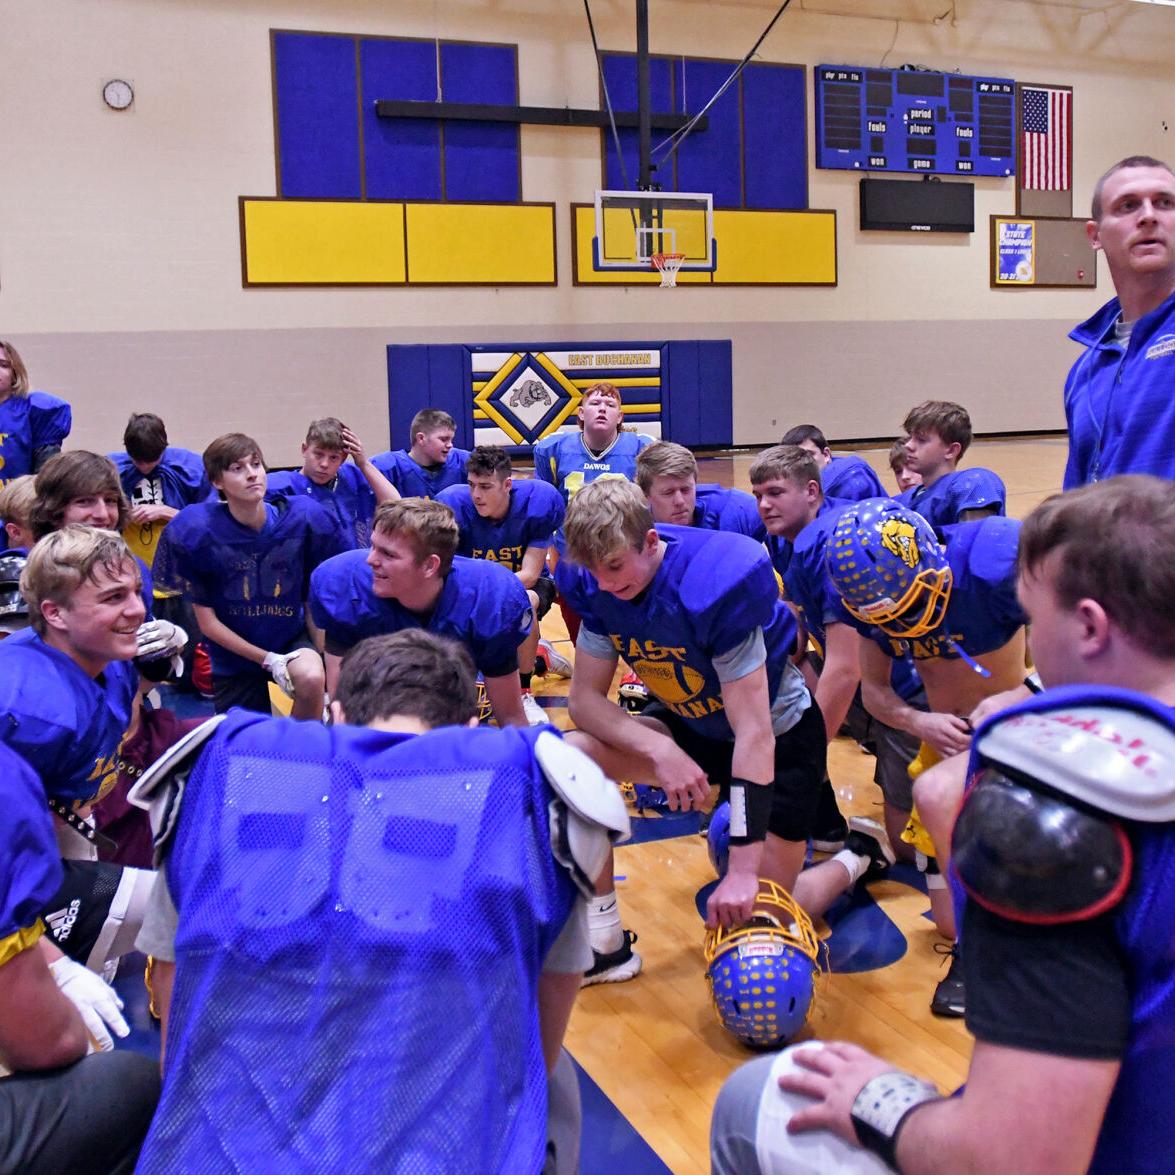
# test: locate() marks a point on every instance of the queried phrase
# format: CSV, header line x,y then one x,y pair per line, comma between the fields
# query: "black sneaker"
x,y
950,995
832,839
616,966
865,844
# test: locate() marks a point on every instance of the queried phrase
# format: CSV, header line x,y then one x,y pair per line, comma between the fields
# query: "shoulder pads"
x,y
587,815
1115,757
1033,856
160,788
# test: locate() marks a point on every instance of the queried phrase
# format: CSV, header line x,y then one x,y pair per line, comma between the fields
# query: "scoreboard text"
x,y
914,120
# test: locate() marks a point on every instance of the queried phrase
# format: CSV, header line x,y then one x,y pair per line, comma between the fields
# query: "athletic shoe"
x,y
551,661
634,694
615,966
535,714
869,844
832,839
950,995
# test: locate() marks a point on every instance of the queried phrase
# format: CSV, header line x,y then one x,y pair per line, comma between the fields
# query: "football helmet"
x,y
762,974
718,838
14,611
889,568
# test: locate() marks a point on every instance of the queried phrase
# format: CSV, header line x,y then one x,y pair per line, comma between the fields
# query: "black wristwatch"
x,y
882,1107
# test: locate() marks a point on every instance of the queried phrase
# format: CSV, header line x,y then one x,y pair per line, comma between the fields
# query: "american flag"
x,y
1047,116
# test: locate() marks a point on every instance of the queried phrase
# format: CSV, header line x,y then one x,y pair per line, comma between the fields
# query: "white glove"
x,y
98,1003
159,639
277,666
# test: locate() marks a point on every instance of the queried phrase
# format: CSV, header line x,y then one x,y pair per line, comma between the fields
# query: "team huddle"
x,y
400,879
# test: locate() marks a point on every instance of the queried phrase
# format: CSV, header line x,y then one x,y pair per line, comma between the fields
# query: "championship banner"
x,y
1015,251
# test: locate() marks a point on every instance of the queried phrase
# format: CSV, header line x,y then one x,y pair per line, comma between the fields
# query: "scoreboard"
x,y
914,121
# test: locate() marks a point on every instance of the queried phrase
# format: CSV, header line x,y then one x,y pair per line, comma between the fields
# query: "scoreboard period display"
x,y
914,121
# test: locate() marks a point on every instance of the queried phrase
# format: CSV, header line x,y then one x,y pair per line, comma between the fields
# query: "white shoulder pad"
x,y
588,815
160,788
1116,760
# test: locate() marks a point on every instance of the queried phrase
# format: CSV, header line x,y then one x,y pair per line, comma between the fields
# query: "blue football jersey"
x,y
177,481
64,723
348,498
482,605
564,460
535,513
851,479
30,863
720,508
418,481
28,423
384,902
945,502
254,580
983,613
809,586
711,592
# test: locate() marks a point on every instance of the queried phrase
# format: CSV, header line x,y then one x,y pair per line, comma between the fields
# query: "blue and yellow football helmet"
x,y
718,838
762,974
889,568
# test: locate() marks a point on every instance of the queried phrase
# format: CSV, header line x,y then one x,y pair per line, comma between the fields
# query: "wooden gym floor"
x,y
652,1056
653,1045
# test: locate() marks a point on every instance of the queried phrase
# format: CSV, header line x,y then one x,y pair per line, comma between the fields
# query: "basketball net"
x,y
667,265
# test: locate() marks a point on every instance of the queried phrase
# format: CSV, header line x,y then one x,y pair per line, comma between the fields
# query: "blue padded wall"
x,y
482,159
317,116
429,376
753,153
698,409
775,141
620,74
402,155
710,160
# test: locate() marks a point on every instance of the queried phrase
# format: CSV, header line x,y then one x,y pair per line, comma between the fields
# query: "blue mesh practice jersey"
x,y
482,605
951,496
719,508
28,423
348,498
983,613
30,864
254,580
535,513
851,479
414,480
363,918
64,723
711,592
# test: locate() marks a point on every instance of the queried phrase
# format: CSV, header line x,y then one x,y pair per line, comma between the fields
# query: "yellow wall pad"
x,y
754,248
775,248
481,244
321,242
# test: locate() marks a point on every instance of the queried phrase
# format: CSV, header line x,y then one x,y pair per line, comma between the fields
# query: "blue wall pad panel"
x,y
620,74
423,376
699,411
402,155
710,160
482,160
317,116
775,142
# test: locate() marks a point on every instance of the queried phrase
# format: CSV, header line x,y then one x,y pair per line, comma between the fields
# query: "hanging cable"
x,y
607,98
668,147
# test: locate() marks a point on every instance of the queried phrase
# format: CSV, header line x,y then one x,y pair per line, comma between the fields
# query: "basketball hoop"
x,y
667,265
